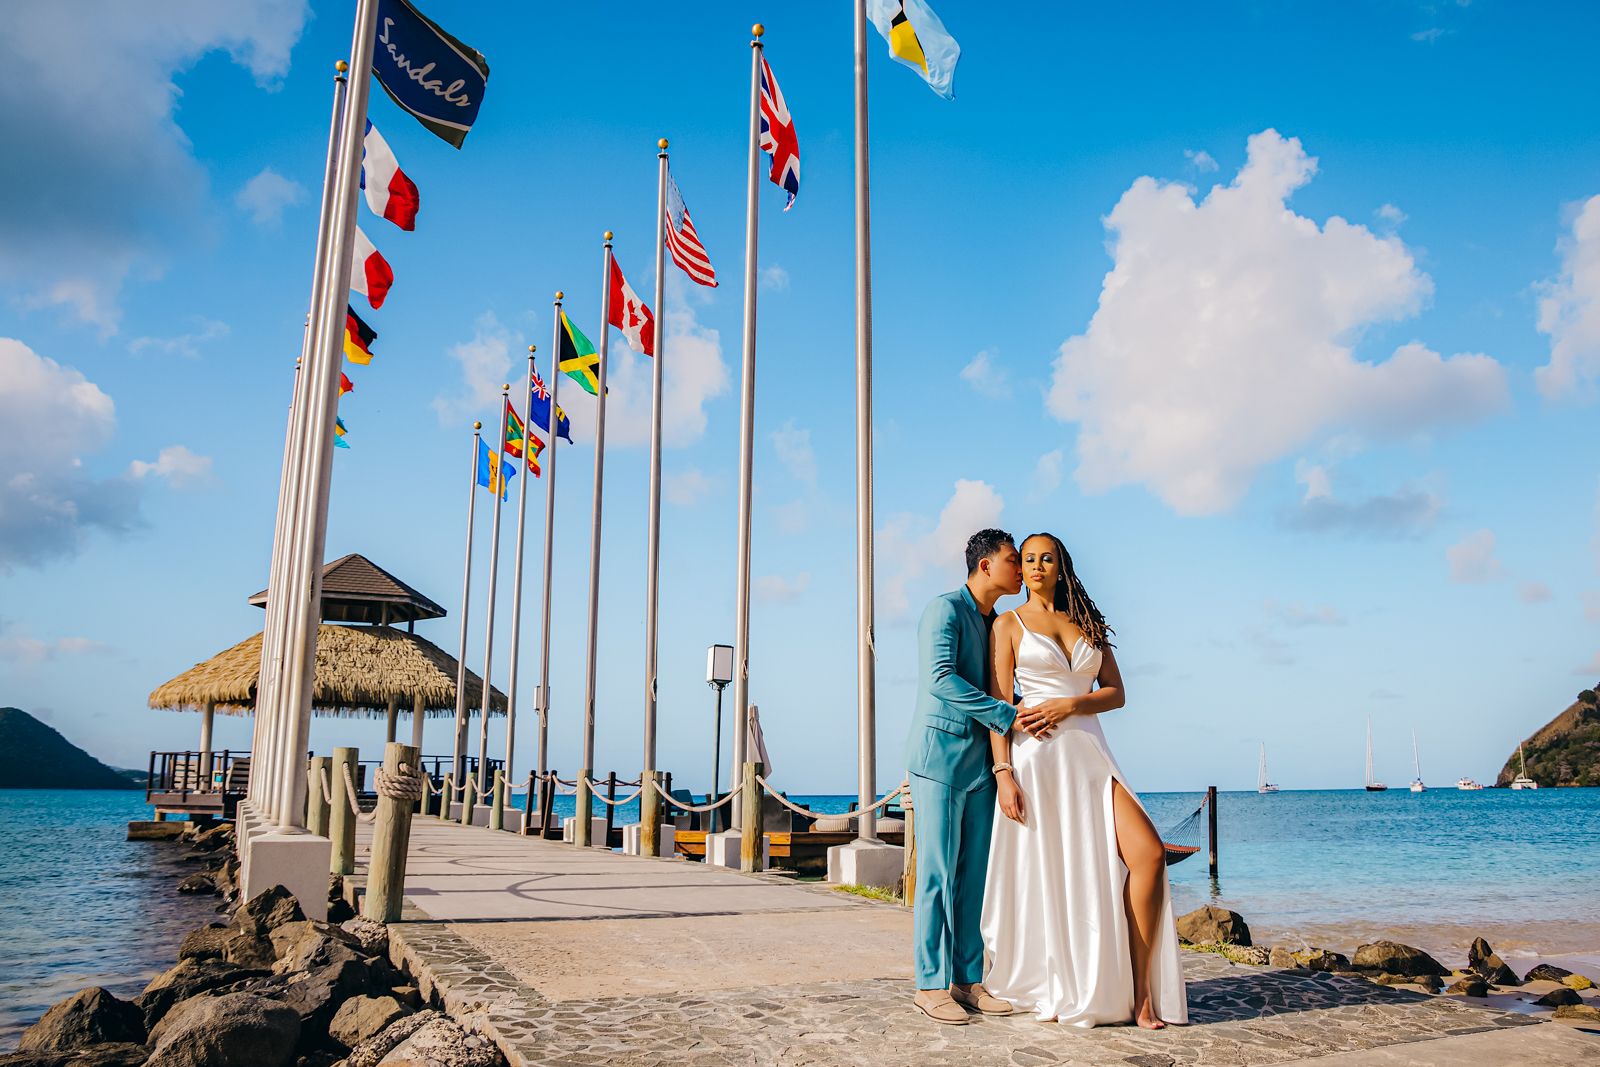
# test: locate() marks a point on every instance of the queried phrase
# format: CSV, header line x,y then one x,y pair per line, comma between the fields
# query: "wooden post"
x,y
611,809
444,796
750,831
341,821
534,785
422,801
469,799
547,806
1211,824
392,715
391,837
649,815
317,801
497,810
908,887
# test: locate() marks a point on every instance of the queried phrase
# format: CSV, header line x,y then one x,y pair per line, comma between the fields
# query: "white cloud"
x,y
186,345
1390,214
1319,486
1200,160
986,376
1046,474
22,647
1298,615
108,184
485,367
1429,35
793,446
265,197
1472,559
52,416
686,487
179,466
774,277
1534,592
1402,513
1223,336
775,588
1569,312
1271,651
908,546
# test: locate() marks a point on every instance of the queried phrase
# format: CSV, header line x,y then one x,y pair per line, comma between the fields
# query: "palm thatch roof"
x,y
359,670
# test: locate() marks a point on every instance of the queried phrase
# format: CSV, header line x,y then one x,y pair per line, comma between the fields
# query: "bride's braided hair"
x,y
1073,600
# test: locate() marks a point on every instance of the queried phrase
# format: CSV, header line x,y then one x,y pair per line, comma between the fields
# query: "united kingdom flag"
x,y
777,136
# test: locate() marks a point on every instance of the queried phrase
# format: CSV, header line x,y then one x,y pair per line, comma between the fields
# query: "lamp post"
x,y
719,672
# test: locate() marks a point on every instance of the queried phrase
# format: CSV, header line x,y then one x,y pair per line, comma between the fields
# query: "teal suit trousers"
x,y
953,828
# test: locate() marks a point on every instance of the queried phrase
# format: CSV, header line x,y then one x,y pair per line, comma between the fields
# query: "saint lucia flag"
x,y
918,39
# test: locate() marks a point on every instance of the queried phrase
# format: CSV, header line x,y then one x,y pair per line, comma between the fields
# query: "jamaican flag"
x,y
578,359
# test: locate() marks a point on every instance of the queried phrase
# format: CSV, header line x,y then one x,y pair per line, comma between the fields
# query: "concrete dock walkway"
x,y
587,957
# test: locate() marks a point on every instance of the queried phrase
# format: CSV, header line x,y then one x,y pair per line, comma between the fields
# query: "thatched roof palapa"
x,y
359,670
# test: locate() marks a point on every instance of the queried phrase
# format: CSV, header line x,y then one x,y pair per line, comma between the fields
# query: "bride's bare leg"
x,y
1145,857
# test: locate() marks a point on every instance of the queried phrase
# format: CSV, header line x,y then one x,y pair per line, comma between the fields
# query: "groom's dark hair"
x,y
983,544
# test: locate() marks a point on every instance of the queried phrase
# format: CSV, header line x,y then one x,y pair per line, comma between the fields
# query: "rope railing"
x,y
808,813
350,795
675,802
403,785
327,786
630,798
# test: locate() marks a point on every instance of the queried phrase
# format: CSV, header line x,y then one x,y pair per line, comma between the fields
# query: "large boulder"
x,y
232,1030
372,936
215,839
1472,985
1557,998
1483,961
1577,981
115,1054
1395,958
442,1043
198,883
1546,972
189,978
90,1017
1214,924
1586,1013
302,940
243,947
268,910
379,1045
360,1018
315,995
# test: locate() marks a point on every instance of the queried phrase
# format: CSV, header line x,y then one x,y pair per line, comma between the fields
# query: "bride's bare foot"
x,y
1145,1016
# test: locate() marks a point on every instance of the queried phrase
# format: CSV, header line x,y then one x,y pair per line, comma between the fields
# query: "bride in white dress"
x,y
1077,916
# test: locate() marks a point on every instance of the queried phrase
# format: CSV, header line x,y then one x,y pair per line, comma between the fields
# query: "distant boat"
x,y
1466,783
1522,781
1373,785
1262,785
1416,783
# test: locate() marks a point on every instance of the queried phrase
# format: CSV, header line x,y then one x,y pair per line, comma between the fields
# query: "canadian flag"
x,y
370,274
630,315
390,192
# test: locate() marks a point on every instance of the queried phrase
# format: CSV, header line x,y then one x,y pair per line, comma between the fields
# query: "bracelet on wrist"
x,y
998,767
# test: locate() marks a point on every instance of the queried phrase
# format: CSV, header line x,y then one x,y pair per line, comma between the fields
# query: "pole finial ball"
x,y
341,66
477,425
609,235
758,29
506,388
662,144
560,295
533,348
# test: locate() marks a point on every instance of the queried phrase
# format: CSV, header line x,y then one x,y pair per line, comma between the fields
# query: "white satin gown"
x,y
1055,926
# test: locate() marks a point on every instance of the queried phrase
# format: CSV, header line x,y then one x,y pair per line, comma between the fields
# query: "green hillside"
x,y
1566,751
34,756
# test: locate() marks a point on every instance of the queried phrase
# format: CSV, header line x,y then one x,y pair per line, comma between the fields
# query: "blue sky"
x,y
1286,318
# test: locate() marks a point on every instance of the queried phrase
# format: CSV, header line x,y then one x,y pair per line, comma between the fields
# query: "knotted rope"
x,y
594,791
403,785
786,802
675,802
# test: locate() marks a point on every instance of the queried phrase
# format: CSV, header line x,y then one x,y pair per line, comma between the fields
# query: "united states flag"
x,y
684,244
777,135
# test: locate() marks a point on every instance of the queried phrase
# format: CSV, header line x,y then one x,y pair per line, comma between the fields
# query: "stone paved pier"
x,y
590,958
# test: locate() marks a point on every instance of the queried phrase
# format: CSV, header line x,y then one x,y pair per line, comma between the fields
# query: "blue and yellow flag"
x,y
494,472
919,40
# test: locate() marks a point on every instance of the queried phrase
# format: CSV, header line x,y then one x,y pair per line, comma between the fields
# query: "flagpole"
x,y
866,667
649,806
516,576
747,419
496,490
581,827
543,701
302,578
458,760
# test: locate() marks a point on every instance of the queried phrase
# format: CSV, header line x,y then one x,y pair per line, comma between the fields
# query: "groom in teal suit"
x,y
952,784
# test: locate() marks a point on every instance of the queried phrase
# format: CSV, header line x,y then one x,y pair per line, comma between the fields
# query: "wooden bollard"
x,y
341,821
497,809
427,784
585,809
750,828
469,799
908,888
317,797
391,838
649,814
611,808
547,806
528,802
1211,825
445,796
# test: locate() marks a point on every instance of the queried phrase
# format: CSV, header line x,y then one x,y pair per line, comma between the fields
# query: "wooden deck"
x,y
803,851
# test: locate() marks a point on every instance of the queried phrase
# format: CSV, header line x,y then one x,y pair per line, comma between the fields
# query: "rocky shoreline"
x,y
267,988
1569,996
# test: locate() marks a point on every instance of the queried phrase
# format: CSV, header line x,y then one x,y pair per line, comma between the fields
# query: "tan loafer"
x,y
938,1005
975,996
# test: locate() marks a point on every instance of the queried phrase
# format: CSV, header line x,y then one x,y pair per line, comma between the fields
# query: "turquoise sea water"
x,y
80,905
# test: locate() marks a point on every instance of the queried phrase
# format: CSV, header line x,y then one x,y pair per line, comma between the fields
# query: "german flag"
x,y
578,359
358,337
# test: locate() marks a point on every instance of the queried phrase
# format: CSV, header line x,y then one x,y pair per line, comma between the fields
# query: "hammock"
x,y
1183,839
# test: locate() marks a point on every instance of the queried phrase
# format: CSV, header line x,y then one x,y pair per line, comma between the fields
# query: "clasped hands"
x,y
1040,719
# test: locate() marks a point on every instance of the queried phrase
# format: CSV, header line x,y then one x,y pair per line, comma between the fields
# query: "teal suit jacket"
x,y
949,740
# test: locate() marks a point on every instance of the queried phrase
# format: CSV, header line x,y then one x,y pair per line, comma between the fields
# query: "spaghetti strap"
x,y
1018,616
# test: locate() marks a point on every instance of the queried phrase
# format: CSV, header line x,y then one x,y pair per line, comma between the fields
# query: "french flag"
x,y
370,273
389,192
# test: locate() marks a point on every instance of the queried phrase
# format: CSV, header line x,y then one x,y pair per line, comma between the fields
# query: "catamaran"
x,y
1262,785
1522,781
1416,783
1373,785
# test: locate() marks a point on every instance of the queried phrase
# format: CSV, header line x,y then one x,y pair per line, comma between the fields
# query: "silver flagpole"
x,y
747,423
498,492
264,748
649,800
866,688
516,574
458,761
581,828
543,702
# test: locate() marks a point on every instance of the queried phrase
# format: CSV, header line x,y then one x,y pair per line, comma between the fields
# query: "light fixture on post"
x,y
719,672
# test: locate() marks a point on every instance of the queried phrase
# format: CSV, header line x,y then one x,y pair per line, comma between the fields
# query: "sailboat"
x,y
1416,783
1373,785
1522,781
1262,785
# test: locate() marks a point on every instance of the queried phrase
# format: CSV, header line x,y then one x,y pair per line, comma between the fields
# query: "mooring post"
x,y
750,825
908,881
391,837
1211,824
341,820
649,815
469,800
317,799
445,795
611,809
497,812
547,809
528,802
